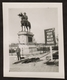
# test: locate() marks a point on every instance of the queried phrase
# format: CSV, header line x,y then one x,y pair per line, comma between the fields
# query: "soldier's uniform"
x,y
25,17
18,53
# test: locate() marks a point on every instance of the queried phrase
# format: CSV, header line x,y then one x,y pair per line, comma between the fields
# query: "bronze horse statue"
x,y
24,23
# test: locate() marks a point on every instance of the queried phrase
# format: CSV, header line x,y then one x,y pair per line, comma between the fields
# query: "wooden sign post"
x,y
51,53
50,39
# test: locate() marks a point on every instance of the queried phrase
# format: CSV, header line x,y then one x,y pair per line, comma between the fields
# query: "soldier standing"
x,y
18,53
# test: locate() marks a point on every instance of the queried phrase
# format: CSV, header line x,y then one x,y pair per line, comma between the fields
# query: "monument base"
x,y
26,43
27,49
25,37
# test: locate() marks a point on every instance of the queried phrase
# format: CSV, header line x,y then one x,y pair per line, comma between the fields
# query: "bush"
x,y
55,55
55,48
11,51
43,49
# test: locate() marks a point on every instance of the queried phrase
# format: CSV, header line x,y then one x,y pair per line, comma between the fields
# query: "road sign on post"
x,y
50,38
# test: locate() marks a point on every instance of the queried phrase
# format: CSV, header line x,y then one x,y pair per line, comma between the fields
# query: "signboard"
x,y
50,36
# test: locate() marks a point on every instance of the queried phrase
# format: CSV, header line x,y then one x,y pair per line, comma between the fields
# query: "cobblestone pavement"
x,y
32,66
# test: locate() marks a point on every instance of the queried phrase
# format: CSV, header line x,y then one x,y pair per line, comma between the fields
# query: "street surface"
x,y
38,66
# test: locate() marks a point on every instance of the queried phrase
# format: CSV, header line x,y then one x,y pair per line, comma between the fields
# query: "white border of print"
x,y
6,72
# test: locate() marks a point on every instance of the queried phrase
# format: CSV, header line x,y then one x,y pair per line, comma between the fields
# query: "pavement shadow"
x,y
52,63
28,60
18,62
31,60
21,59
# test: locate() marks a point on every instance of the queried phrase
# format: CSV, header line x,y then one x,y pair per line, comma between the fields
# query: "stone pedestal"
x,y
26,43
25,37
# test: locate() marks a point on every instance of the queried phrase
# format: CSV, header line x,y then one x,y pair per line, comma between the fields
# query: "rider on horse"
x,y
24,21
24,18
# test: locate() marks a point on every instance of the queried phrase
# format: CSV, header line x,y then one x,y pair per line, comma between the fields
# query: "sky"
x,y
40,19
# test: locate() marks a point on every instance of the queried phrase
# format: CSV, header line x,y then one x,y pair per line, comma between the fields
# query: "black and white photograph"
x,y
33,40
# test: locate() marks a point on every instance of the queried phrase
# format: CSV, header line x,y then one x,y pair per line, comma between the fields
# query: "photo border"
x,y
6,72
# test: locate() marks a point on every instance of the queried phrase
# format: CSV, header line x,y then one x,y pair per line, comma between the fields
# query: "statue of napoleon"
x,y
25,22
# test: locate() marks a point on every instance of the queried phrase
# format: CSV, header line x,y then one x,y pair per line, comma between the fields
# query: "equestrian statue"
x,y
24,21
